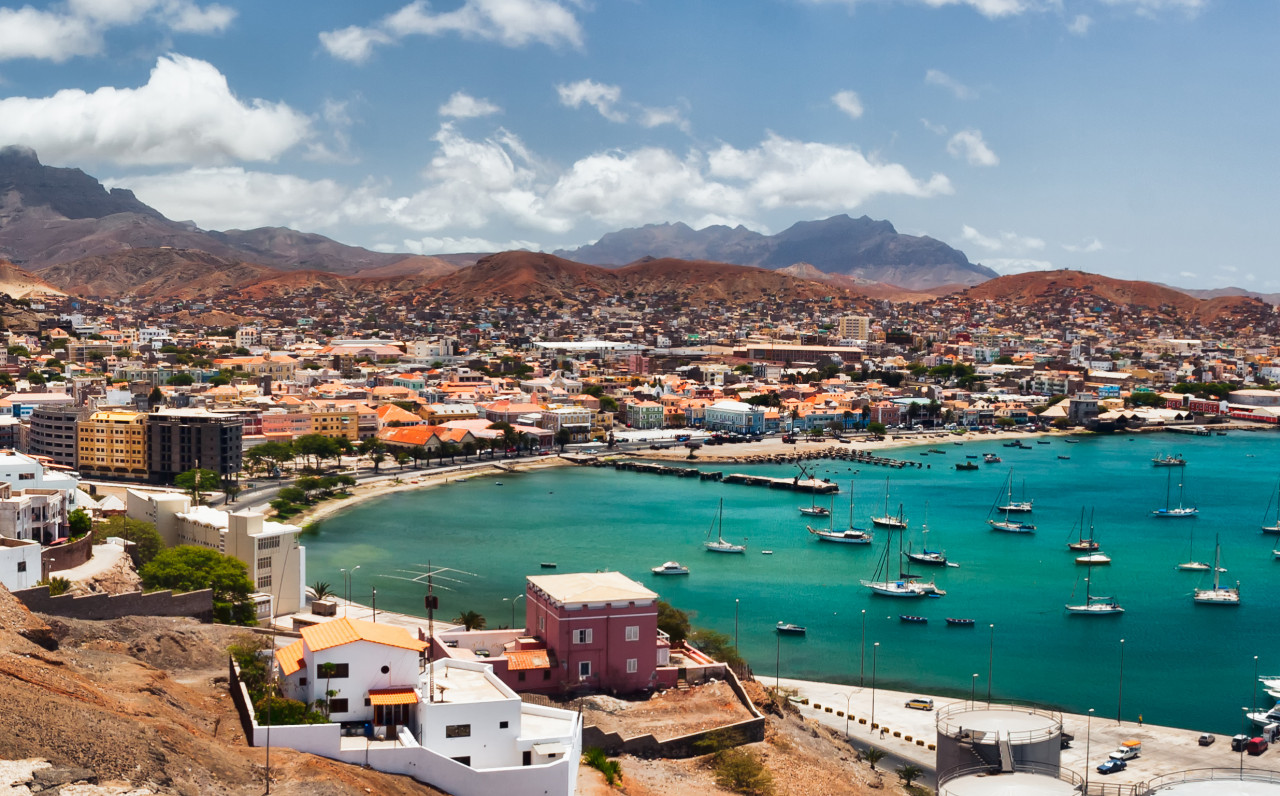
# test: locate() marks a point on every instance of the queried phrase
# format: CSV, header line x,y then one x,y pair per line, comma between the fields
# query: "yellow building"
x,y
335,420
113,442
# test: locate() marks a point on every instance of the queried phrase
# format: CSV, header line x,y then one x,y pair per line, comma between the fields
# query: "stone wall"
x,y
195,604
66,556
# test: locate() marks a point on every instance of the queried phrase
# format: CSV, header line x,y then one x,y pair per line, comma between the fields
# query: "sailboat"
x,y
1081,544
887,520
814,510
1273,528
904,585
1012,506
1218,595
853,535
1007,525
1094,606
937,558
1191,565
720,545
1171,513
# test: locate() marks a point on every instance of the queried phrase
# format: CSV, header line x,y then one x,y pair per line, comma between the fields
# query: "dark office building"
x,y
183,439
53,433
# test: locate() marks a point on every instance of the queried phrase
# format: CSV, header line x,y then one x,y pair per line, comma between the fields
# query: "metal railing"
x,y
1206,775
1041,769
949,723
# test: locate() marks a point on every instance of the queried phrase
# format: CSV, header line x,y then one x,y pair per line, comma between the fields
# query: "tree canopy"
x,y
197,482
190,568
146,540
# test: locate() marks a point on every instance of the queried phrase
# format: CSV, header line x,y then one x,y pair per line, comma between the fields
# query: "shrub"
x,y
597,759
739,771
56,586
277,710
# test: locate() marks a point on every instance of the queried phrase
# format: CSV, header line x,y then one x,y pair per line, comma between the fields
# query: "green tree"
x,y
293,494
909,773
189,568
57,586
873,755
740,771
1006,422
146,540
280,711
876,428
197,482
322,589
327,671
673,622
80,522
155,397
181,380
562,438
471,620
717,645
316,446
597,759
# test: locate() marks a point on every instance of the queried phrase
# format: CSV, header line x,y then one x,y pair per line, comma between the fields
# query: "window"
x,y
464,760
265,563
22,566
526,759
340,670
632,665
337,706
542,624
520,678
582,636
457,731
502,725
584,669
269,544
633,632
546,674
264,582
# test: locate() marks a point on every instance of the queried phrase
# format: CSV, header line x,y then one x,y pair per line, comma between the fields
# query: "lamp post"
x,y
1255,683
1088,737
874,649
991,660
848,705
375,603
862,660
973,687
735,623
1244,745
512,600
1120,698
777,672
346,574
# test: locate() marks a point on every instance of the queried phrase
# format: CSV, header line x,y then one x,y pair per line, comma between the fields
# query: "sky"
x,y
1132,138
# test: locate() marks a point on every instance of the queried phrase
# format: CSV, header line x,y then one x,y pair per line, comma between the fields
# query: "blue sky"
x,y
1134,138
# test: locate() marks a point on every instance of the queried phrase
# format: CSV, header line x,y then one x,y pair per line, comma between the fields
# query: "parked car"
x,y
920,703
1256,746
1112,766
1127,751
1239,742
1206,739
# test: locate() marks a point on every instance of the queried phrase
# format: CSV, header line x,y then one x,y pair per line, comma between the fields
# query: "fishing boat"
x,y
851,535
671,568
719,545
913,619
1012,506
1171,513
957,622
1218,595
1191,564
887,520
936,558
548,565
788,629
1014,444
1094,606
1083,544
990,458
1273,528
1169,461
966,465
1007,525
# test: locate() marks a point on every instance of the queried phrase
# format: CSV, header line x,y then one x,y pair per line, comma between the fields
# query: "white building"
x,y
471,736
40,515
19,563
25,472
735,416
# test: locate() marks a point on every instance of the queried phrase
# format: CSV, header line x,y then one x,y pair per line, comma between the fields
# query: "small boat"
x,y
548,565
919,620
788,629
815,511
936,450
966,465
1071,441
1218,595
766,552
959,622
1094,606
1042,442
1171,513
1014,444
1094,559
1007,525
990,458
497,483
671,568
1191,564
720,545
937,558
972,456
1169,461
1064,457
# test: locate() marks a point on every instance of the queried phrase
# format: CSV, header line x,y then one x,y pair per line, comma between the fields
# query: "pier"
x,y
811,485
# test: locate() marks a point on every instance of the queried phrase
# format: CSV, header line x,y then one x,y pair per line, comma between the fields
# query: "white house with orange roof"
x,y
451,724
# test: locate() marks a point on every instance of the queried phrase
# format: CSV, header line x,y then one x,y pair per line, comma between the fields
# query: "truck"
x,y
1127,751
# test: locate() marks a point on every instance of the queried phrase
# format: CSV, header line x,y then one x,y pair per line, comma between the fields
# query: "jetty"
x,y
812,485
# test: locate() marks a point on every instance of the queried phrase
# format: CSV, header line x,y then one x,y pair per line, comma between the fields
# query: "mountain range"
x,y
858,247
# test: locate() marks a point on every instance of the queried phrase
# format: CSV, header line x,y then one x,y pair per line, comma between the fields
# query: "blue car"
x,y
1112,766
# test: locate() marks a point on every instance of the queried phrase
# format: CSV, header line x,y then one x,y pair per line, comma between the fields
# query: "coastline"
x,y
397,482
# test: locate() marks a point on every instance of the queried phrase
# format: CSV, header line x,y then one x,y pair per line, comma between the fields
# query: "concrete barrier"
x,y
195,604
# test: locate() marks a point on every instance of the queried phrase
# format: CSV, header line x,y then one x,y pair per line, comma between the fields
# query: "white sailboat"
x,y
814,510
1191,564
1012,506
884,584
1171,513
1008,525
1083,544
852,535
720,545
1094,606
887,520
1273,528
937,558
1218,595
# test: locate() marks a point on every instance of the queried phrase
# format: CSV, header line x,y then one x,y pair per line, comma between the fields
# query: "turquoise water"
x,y
1184,664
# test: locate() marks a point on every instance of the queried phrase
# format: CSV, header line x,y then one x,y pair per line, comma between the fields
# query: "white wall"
x,y
15,555
364,660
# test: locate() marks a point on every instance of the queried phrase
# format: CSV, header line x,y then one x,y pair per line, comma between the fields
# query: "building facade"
x,y
52,433
113,443
183,439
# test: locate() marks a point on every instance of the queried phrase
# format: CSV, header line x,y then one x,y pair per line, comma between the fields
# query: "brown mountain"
x,y
18,283
1045,287
415,265
160,274
867,287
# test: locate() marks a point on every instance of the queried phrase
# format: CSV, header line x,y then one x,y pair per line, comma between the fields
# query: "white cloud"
x,y
78,31
1094,245
936,77
988,8
1080,25
1150,7
622,188
1188,274
848,102
968,144
1016,265
512,23
936,129
656,117
464,106
215,198
185,114
1005,242
448,245
600,96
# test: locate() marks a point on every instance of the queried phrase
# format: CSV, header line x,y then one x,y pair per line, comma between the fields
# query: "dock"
x,y
811,485
666,469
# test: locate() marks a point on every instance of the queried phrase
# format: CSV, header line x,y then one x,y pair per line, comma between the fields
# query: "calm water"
x,y
1183,664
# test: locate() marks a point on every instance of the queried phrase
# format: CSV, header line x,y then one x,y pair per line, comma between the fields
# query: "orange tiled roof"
x,y
290,657
518,660
393,696
337,632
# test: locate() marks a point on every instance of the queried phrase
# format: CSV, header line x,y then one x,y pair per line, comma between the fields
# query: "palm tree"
x,y
873,755
909,773
327,671
471,620
322,589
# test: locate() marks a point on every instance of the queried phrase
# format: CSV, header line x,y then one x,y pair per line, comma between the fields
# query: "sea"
x,y
1166,659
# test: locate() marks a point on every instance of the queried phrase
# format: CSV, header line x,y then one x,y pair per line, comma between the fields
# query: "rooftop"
x,y
591,587
455,683
344,631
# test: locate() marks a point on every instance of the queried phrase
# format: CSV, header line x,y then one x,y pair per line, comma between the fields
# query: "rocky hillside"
x,y
857,247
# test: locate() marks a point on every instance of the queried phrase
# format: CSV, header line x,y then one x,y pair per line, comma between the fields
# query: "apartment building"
x,y
182,439
113,443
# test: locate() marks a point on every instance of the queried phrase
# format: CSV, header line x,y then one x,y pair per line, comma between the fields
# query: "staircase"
x,y
1006,753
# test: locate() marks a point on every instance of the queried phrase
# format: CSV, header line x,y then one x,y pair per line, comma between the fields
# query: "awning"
x,y
393,696
548,749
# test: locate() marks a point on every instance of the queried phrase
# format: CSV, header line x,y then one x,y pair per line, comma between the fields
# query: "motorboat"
x,y
966,465
1169,461
671,568
1094,559
990,458
789,629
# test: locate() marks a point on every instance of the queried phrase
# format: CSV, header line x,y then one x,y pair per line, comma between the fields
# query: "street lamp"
x,y
1120,698
1255,683
862,661
735,623
512,600
1088,737
1244,745
848,705
973,686
874,649
991,660
346,574
777,672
